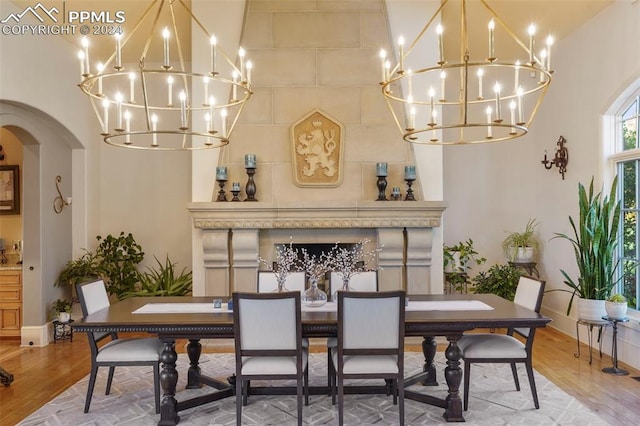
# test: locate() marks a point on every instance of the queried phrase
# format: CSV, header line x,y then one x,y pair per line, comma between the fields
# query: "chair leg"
x,y
306,386
299,387
394,390
340,381
532,383
514,371
467,372
156,386
245,392
110,379
329,370
238,400
92,383
401,399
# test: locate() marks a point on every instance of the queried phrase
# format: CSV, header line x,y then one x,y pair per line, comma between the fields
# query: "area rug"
x,y
493,400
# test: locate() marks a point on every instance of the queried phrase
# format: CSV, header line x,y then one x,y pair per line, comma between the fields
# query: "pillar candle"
x,y
221,173
381,169
250,161
236,186
409,172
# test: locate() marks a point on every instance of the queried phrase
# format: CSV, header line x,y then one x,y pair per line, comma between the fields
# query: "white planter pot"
x,y
64,316
616,309
524,255
591,309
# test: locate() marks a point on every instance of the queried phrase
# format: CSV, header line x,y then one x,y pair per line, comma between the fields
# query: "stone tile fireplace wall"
x,y
235,234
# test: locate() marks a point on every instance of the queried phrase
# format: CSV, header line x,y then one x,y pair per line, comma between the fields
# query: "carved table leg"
x,y
168,381
429,348
453,376
194,349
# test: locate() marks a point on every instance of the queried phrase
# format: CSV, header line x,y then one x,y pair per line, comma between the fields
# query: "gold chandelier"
x,y
159,103
475,97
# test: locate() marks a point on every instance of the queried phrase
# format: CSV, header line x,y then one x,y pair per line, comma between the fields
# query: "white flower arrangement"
x,y
314,267
348,262
286,260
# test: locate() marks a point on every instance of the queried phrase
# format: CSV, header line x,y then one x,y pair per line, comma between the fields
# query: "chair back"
x,y
529,295
93,298
267,322
364,281
371,320
268,282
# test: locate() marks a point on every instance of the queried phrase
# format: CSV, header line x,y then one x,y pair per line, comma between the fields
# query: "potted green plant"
x,y
594,242
78,270
616,306
501,280
521,247
458,260
164,281
61,309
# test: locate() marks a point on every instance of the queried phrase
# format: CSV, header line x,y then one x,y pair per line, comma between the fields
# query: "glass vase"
x,y
345,287
313,296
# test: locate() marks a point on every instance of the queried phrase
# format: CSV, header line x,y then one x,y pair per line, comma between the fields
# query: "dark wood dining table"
x,y
194,326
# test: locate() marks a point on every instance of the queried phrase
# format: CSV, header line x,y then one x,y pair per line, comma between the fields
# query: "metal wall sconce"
x,y
560,159
60,201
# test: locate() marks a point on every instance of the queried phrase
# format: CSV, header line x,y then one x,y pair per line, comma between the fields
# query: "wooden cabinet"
x,y
10,303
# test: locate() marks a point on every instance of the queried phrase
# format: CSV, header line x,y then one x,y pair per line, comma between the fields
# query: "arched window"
x,y
626,160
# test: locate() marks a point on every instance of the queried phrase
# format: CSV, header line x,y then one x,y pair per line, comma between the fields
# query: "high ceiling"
x,y
557,17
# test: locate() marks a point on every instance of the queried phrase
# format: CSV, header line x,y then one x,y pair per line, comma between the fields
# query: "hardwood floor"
x,y
43,373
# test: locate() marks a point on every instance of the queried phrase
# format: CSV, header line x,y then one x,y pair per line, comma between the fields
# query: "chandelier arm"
x,y
152,30
143,85
179,46
424,29
96,112
465,89
464,39
539,100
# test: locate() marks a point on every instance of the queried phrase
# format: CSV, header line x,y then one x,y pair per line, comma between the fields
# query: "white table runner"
x,y
206,308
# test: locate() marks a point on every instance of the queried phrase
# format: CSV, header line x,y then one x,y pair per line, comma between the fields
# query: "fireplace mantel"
x,y
358,214
233,234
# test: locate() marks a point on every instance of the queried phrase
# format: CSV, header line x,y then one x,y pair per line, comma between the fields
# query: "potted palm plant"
x,y
458,260
521,247
594,242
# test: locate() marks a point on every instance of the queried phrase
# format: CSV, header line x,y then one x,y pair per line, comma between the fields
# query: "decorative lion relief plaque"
x,y
317,150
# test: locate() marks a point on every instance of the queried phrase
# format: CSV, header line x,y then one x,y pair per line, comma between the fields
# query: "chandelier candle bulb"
x,y
165,38
516,78
480,74
250,161
443,79
223,122
492,26
242,70
119,99
118,65
212,104
497,89
170,92
381,169
154,128
489,128
412,118
409,172
249,68
132,82
532,33
387,68
439,31
512,107
234,91
431,107
183,110
127,127
401,55
100,69
213,41
549,44
383,57
221,173
410,82
520,120
85,46
543,61
105,116
81,57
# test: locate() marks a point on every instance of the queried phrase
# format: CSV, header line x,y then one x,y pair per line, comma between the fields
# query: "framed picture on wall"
x,y
9,190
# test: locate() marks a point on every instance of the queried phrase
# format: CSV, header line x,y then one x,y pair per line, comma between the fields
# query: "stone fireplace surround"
x,y
232,235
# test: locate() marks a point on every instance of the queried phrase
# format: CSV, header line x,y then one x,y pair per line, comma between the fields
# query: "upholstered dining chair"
x,y
370,343
267,281
268,343
116,352
506,348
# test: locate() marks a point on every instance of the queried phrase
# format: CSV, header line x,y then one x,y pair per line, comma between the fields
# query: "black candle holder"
x,y
250,188
221,194
235,193
382,186
409,196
